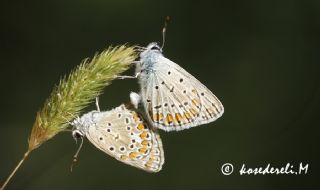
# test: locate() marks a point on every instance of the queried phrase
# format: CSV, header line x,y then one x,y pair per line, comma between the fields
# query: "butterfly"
x,y
123,134
172,98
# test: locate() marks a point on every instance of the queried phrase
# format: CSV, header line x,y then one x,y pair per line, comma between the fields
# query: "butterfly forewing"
x,y
123,134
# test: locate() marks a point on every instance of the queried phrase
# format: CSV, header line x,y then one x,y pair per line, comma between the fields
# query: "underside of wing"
x,y
175,100
123,134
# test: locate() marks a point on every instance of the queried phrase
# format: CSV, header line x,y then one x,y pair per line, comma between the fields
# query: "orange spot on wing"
x,y
141,126
179,117
144,142
136,117
133,155
143,150
160,116
187,115
157,117
144,134
169,119
195,102
124,157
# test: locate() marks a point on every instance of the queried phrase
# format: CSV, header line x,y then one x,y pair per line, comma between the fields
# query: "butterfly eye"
x,y
155,47
77,134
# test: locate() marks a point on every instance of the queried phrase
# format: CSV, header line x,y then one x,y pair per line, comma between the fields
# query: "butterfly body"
x,y
172,98
148,60
122,134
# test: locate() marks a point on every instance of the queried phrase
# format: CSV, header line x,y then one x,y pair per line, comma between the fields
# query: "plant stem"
x,y
15,169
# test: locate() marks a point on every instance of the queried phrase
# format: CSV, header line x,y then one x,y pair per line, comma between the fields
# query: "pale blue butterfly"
x,y
122,134
172,98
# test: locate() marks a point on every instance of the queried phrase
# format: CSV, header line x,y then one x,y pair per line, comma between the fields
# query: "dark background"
x,y
261,58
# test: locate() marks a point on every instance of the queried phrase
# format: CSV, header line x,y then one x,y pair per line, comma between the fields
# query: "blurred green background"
x,y
261,58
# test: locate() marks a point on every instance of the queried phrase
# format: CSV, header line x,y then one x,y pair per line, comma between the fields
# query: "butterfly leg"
x,y
97,104
129,77
135,99
76,134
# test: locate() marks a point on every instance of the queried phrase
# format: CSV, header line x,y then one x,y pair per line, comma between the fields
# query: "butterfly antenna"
x,y
164,29
75,157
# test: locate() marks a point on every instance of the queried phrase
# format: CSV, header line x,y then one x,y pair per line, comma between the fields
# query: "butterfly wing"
x,y
122,134
175,100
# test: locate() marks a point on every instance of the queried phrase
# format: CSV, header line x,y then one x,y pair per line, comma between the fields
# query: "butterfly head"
x,y
80,124
153,46
77,132
149,56
152,49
